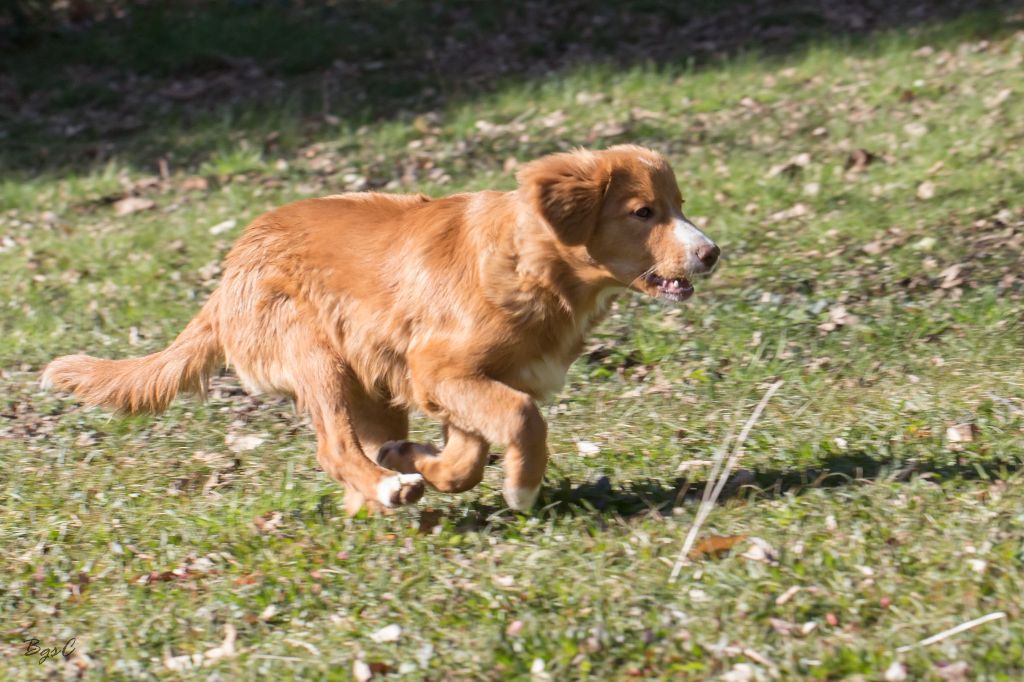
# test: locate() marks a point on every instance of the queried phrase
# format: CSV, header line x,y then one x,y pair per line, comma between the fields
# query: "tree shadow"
x,y
601,500
80,90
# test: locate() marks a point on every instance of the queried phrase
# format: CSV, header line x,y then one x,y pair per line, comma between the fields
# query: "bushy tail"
x,y
146,384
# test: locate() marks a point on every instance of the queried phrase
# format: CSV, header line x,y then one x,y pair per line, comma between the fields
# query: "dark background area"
x,y
87,80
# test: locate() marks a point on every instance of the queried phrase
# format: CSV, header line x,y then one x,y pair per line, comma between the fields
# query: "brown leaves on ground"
x,y
130,205
715,546
858,161
189,662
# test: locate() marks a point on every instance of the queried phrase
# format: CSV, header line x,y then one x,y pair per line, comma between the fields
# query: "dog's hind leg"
x,y
338,449
376,422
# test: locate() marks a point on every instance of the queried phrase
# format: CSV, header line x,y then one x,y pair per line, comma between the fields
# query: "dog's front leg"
x,y
495,413
504,416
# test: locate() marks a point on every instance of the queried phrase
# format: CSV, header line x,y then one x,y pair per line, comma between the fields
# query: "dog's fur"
x,y
363,306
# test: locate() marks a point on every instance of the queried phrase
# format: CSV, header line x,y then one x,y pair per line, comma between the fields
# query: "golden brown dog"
x,y
470,308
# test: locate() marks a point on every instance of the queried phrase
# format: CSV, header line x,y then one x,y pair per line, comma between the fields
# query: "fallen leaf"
x,y
268,523
895,672
961,433
238,443
998,98
791,168
787,595
688,464
954,672
951,277
130,205
388,633
194,184
916,129
221,228
838,316
795,211
191,661
858,160
760,550
741,672
361,671
715,546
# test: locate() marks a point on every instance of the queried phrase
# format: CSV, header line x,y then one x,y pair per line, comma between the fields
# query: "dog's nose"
x,y
708,254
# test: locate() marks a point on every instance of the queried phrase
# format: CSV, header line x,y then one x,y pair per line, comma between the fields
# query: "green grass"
x,y
891,532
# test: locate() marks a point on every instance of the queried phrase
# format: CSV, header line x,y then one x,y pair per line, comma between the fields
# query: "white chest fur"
x,y
544,376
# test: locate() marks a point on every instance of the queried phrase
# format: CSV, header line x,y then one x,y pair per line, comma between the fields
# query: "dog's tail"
x,y
146,384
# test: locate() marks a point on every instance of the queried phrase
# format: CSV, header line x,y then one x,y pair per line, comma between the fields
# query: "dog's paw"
x,y
400,455
356,502
520,499
393,491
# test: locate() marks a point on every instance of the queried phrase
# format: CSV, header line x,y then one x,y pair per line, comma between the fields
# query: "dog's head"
x,y
619,213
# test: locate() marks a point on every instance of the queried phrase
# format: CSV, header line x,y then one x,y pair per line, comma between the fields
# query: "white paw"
x,y
399,489
520,499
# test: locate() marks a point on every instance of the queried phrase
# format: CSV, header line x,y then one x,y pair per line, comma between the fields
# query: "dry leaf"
x,y
715,546
268,523
796,211
741,672
951,276
792,167
237,443
916,129
838,316
998,98
760,550
130,205
961,433
189,662
194,184
221,228
858,160
787,595
895,672
361,671
954,672
388,633
686,465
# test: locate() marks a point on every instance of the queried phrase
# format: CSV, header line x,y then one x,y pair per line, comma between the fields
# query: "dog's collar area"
x,y
672,289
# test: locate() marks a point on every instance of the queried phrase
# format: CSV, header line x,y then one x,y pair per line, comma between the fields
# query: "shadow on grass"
x,y
82,89
602,500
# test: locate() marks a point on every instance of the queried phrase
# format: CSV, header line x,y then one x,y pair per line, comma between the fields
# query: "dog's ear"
x,y
567,190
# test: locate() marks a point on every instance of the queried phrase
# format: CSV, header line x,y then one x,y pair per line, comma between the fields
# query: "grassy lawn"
x,y
868,196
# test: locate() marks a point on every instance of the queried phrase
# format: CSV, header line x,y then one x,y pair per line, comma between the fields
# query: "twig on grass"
x,y
996,615
718,477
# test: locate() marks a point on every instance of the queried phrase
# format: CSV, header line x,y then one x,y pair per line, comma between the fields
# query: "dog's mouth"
x,y
671,289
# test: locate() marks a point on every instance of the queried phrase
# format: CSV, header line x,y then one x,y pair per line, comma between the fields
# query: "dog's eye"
x,y
643,212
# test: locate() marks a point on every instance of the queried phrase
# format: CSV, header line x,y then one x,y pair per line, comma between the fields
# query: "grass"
x,y
891,530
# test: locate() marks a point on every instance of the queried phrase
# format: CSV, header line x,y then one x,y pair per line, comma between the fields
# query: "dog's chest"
x,y
544,376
